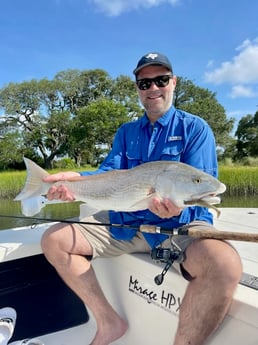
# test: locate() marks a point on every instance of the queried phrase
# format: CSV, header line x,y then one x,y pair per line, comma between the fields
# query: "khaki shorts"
x,y
104,245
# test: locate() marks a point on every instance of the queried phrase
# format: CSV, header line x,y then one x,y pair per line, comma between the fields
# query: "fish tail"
x,y
33,186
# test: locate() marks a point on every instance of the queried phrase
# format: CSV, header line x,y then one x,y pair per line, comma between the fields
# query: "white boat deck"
x,y
151,310
240,325
242,220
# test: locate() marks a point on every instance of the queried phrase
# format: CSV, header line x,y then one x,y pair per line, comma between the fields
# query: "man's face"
x,y
156,100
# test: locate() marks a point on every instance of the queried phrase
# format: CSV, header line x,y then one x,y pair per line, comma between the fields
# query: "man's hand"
x,y
60,192
164,208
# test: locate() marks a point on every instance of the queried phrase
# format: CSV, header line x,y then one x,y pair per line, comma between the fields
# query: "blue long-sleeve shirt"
x,y
176,136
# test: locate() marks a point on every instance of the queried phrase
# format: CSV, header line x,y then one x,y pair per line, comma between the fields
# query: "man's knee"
x,y
213,259
50,238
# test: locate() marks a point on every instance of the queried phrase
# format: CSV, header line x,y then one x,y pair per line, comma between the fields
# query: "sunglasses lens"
x,y
144,84
160,81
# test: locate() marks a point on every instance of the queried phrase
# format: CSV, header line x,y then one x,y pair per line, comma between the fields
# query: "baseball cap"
x,y
153,59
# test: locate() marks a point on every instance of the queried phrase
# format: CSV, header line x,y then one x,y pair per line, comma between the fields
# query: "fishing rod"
x,y
70,221
187,229
164,255
192,231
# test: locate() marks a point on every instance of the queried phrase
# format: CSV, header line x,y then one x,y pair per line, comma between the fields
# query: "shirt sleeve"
x,y
200,152
200,148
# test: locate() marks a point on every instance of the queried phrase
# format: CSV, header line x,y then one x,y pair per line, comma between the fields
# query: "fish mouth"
x,y
208,198
211,199
206,201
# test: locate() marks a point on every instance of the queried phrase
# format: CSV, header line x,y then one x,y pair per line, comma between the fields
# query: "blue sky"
x,y
212,42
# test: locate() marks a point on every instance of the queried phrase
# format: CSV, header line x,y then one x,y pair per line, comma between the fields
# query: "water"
x,y
239,201
70,210
13,208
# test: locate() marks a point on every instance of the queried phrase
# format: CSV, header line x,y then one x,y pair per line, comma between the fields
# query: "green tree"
x,y
247,136
93,130
32,109
229,150
42,110
11,148
20,100
78,88
78,112
203,103
124,92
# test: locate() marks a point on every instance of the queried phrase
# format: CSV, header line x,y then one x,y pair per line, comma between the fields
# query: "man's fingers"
x,y
164,208
54,178
60,192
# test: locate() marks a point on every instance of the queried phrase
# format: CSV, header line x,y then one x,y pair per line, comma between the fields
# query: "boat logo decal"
x,y
161,298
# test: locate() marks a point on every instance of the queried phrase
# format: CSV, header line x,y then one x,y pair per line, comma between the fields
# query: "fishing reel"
x,y
167,256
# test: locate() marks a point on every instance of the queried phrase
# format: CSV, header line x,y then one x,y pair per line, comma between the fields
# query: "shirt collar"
x,y
163,120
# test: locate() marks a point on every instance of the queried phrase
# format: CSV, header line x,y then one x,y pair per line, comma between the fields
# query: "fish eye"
x,y
197,180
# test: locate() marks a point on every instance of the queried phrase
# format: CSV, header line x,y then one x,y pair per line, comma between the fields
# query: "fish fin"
x,y
33,185
142,204
32,206
86,211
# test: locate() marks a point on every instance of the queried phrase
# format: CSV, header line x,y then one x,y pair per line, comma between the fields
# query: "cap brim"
x,y
136,70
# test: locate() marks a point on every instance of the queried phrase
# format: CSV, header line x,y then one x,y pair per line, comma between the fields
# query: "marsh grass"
x,y
12,182
240,180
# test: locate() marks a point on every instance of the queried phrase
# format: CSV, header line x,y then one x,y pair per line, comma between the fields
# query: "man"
x,y
212,267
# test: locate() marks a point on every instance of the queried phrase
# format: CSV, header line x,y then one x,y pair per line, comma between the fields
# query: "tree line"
x,y
77,113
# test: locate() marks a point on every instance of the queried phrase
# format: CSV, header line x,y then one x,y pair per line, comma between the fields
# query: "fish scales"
x,y
126,190
116,184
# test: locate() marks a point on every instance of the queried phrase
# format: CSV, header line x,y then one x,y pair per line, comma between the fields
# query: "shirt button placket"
x,y
152,141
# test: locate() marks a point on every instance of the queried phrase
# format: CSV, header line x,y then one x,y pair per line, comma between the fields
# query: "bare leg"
x,y
65,248
216,269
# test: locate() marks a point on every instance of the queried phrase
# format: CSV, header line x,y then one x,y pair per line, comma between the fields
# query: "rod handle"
x,y
223,235
197,233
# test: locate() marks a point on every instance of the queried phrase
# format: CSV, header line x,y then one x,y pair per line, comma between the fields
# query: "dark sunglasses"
x,y
160,81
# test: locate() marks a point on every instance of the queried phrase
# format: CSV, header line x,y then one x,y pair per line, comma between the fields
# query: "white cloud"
x,y
243,91
242,69
116,7
210,64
